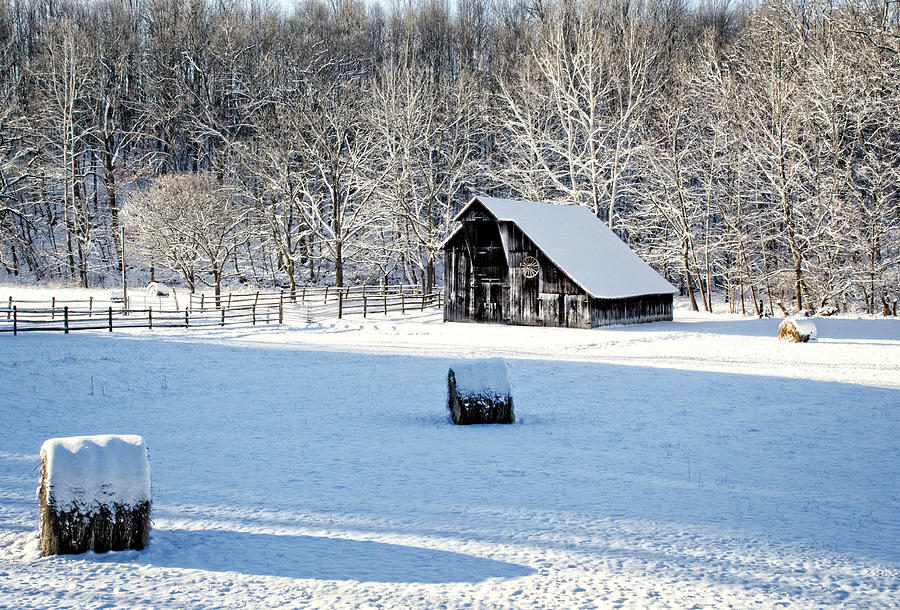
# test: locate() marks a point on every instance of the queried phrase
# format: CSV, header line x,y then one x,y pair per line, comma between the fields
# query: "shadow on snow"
x,y
313,557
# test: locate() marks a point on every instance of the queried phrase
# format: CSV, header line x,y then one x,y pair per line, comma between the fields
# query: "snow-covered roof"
x,y
581,245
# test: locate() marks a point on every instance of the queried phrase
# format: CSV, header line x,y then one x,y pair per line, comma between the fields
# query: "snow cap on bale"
x,y
94,494
157,289
479,392
797,329
87,471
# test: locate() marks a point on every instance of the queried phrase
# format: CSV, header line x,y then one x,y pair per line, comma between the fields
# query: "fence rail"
x,y
210,311
95,303
306,295
319,303
70,320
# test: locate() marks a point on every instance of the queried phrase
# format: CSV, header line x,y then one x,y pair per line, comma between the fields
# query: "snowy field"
x,y
699,462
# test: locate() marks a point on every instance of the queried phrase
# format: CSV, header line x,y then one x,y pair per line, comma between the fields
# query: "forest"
x,y
748,151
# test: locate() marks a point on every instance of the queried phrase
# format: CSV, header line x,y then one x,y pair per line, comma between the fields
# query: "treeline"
x,y
752,150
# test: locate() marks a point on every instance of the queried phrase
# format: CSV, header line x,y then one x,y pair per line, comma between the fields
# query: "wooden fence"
x,y
312,304
67,319
205,310
93,304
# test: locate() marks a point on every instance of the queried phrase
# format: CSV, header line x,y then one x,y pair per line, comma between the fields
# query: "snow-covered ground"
x,y
698,462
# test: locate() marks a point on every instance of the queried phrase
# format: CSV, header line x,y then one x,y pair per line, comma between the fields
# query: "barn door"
x,y
479,302
488,302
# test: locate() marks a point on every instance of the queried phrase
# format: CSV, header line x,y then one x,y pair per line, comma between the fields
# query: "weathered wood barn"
x,y
540,264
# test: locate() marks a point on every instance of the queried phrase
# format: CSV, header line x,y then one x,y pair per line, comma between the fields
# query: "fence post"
x,y
281,308
254,315
326,295
10,307
150,318
110,318
256,300
66,318
402,302
202,299
187,323
91,307
53,308
340,304
423,300
223,317
229,301
15,321
303,295
384,294
365,308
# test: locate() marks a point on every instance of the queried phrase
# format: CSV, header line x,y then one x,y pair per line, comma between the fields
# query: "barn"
x,y
539,264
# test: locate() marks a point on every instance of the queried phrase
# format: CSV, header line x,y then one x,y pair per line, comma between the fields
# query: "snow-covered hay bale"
x,y
94,494
157,289
479,392
797,330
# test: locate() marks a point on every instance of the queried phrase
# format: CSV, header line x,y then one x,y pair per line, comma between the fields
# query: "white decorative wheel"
x,y
530,267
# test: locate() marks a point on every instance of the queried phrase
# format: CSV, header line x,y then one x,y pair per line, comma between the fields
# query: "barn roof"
x,y
581,245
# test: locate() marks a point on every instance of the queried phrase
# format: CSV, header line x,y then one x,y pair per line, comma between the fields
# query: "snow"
x,y
87,472
699,462
583,246
486,376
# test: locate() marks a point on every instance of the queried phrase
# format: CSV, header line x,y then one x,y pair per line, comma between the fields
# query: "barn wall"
x,y
551,298
631,310
475,272
457,279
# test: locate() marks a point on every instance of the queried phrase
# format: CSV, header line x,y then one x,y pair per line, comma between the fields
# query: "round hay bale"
x,y
157,289
797,330
479,393
94,494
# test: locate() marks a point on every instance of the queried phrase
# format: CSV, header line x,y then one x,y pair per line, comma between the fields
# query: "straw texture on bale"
x,y
797,330
486,401
99,522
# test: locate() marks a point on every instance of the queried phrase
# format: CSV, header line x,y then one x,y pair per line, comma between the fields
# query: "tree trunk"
x,y
339,264
688,279
429,274
109,180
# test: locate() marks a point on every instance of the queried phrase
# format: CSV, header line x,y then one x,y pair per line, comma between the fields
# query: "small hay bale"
x,y
94,494
479,392
157,289
797,330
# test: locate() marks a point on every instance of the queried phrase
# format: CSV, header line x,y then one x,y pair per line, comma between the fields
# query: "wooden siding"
x,y
551,298
483,282
631,310
457,278
475,273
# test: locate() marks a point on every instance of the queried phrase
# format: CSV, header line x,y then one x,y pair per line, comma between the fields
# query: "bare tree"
x,y
425,144
190,224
